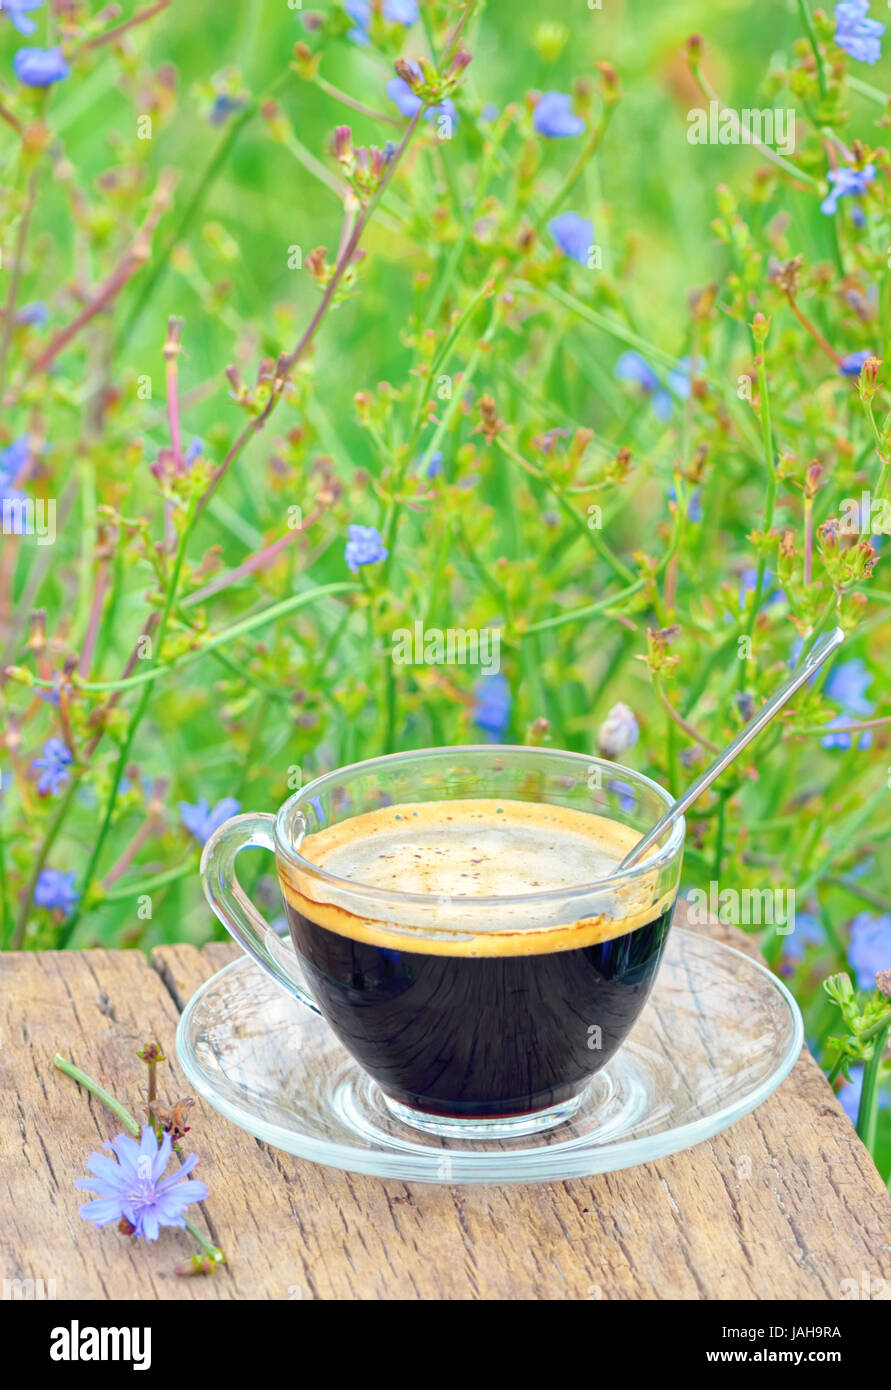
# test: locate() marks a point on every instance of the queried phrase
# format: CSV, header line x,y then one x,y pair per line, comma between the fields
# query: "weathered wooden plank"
x,y
785,1204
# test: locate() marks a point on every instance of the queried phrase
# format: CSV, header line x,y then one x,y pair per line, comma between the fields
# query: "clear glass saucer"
x,y
719,1033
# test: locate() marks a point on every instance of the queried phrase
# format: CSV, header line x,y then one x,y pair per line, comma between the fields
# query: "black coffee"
x,y
481,1023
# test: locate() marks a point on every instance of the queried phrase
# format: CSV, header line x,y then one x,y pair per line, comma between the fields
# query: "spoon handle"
x,y
818,653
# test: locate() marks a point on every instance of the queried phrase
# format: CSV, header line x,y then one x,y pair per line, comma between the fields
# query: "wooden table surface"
x,y
785,1204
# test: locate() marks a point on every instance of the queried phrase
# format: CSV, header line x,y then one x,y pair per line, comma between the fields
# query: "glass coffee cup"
x,y
458,918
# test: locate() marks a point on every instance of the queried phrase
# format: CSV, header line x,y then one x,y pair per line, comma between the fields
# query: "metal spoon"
x,y
818,653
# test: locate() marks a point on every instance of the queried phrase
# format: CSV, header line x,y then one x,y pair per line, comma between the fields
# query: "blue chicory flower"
x,y
54,766
33,315
856,33
843,740
364,547
632,367
201,821
846,183
848,683
224,106
404,12
747,582
694,503
554,117
135,1189
194,451
493,705
408,102
434,464
869,947
624,793
40,67
18,11
573,234
808,931
55,889
851,365
13,459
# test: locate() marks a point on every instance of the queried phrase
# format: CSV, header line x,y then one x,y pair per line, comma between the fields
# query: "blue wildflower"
x,y
13,459
554,117
846,183
40,67
56,889
493,705
489,113
747,582
201,821
808,931
851,365
848,683
843,740
364,547
33,315
859,36
54,766
632,367
573,234
869,948
18,11
403,12
194,451
679,378
694,503
224,106
135,1189
408,102
624,794
434,464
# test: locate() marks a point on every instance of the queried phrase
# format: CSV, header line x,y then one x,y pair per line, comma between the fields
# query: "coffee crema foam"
x,y
456,852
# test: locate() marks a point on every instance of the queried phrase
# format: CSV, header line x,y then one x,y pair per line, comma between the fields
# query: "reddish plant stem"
x,y
15,278
814,332
133,261
287,364
156,798
257,561
112,35
128,671
89,645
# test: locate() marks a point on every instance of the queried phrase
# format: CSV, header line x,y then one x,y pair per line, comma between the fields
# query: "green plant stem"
x,y
239,629
49,839
867,1112
808,23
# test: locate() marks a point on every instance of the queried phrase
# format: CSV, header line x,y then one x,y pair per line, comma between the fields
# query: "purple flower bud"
x,y
618,732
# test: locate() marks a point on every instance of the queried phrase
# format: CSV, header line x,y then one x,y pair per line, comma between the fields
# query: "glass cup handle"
x,y
234,908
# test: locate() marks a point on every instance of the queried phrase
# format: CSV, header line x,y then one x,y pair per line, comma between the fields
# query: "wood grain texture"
x,y
785,1204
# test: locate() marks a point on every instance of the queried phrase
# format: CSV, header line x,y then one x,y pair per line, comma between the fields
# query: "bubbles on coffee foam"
x,y
452,853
